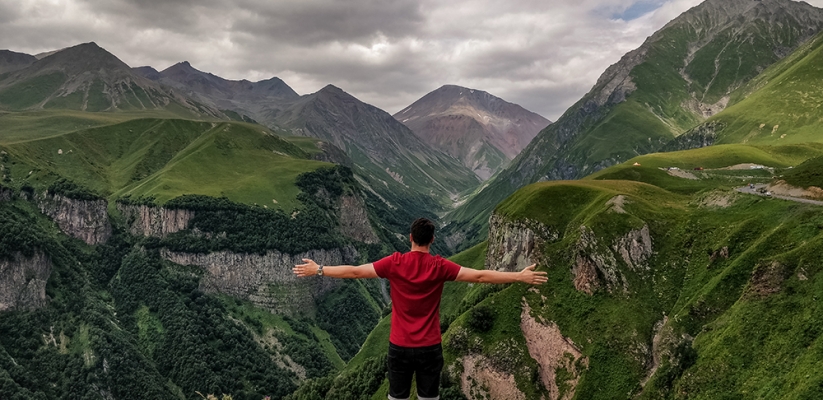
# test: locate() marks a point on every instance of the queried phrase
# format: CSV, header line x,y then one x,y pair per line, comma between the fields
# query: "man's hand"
x,y
308,269
529,276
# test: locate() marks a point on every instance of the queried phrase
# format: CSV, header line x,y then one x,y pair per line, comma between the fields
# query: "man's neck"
x,y
422,249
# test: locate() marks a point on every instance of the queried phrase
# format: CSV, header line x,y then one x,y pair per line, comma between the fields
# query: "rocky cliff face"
x,y
635,247
154,221
595,263
87,220
701,136
23,282
354,220
265,280
514,245
553,352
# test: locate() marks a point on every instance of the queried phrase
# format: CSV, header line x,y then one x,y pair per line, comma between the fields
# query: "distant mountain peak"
x,y
87,77
483,131
261,101
12,61
384,148
147,72
331,89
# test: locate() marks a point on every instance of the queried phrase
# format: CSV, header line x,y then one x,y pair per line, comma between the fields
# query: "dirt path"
x,y
748,190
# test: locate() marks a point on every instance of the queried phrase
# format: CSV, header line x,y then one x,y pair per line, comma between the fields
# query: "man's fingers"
x,y
531,267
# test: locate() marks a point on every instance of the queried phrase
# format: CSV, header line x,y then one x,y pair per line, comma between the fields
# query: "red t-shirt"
x,y
416,280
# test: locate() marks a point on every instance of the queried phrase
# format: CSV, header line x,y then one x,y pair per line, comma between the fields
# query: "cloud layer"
x,y
543,55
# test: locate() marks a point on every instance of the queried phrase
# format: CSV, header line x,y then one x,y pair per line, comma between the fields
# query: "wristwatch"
x,y
320,270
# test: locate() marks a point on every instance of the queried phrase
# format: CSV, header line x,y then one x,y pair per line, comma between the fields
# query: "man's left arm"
x,y
310,268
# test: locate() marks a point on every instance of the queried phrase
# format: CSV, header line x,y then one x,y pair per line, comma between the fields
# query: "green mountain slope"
x,y
167,158
12,61
781,105
394,160
120,320
665,283
261,100
88,78
681,75
131,321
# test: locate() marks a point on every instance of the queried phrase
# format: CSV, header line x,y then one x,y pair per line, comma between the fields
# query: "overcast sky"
x,y
541,54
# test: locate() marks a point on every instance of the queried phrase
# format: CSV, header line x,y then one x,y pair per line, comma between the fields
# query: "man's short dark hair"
x,y
422,231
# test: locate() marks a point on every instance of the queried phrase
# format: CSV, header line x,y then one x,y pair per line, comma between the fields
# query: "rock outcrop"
x,y
514,245
23,282
701,136
154,221
595,265
767,279
87,220
5,194
354,220
552,351
265,280
480,380
635,248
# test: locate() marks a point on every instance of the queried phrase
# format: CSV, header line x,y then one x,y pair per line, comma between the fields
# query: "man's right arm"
x,y
527,275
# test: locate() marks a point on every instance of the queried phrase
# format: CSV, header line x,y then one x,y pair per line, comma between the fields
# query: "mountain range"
x,y
88,78
259,100
681,75
146,246
389,158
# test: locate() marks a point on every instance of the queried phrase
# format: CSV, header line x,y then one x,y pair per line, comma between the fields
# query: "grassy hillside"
x,y
88,78
33,125
725,305
683,74
806,175
167,158
780,106
128,321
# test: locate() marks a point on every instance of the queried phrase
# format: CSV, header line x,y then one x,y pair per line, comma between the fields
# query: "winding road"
x,y
754,191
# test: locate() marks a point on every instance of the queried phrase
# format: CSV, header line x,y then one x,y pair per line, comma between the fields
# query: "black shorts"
x,y
425,362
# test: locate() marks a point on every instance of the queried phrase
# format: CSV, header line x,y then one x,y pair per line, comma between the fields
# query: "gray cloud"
x,y
542,55
307,22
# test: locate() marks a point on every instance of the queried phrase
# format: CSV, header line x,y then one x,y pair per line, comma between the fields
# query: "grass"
x,y
31,92
712,159
245,311
807,174
376,345
307,144
167,158
782,105
33,125
587,137
745,345
149,330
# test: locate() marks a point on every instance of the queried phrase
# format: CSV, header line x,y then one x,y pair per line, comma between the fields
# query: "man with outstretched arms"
x,y
416,280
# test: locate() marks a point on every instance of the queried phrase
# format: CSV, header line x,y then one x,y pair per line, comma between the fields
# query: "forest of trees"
x,y
122,322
